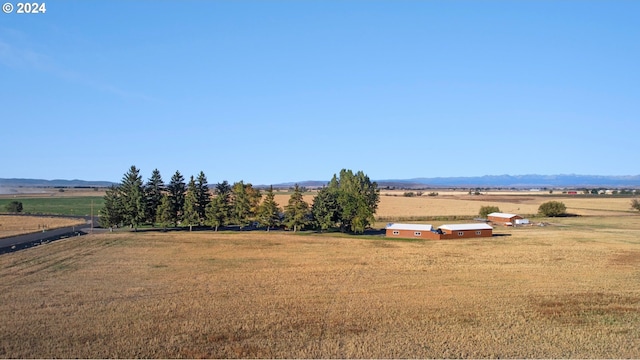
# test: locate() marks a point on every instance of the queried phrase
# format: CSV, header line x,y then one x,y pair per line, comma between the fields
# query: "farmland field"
x,y
58,205
568,290
11,225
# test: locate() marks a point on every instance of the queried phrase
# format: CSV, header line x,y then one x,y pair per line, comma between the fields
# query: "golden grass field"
x,y
11,225
570,290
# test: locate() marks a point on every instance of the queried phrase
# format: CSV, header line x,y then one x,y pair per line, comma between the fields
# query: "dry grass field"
x,y
400,207
11,225
564,291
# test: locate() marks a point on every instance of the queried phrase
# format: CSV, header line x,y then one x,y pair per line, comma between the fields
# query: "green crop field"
x,y
80,206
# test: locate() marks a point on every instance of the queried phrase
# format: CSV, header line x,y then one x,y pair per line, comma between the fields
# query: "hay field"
x,y
564,291
12,225
399,207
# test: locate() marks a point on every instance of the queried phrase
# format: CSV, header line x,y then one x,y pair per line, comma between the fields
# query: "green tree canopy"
x,y
269,211
133,202
191,216
241,205
164,215
486,210
325,209
203,197
14,207
552,209
297,210
358,198
217,212
111,212
176,191
153,195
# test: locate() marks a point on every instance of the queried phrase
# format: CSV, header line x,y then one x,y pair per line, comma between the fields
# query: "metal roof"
x,y
502,215
460,227
418,227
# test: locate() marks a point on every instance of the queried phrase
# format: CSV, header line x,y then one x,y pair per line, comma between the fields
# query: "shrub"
x,y
552,209
486,210
635,204
409,194
14,207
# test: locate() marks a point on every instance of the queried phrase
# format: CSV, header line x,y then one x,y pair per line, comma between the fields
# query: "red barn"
x,y
451,231
503,218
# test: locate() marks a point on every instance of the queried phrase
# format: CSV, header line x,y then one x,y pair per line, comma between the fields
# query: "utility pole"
x,y
91,231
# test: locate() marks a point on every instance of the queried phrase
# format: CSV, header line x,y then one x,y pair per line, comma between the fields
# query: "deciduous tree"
x,y
552,209
14,207
358,198
486,210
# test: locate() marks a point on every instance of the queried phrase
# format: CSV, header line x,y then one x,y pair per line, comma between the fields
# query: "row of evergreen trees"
x,y
348,202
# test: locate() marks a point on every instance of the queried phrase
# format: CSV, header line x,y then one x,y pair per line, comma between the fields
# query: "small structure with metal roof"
x,y
450,231
462,231
409,230
503,218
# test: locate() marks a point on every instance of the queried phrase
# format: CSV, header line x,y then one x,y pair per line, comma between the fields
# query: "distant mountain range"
x,y
503,181
487,181
52,183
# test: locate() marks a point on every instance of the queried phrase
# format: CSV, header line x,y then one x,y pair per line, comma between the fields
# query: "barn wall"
x,y
466,234
503,220
410,234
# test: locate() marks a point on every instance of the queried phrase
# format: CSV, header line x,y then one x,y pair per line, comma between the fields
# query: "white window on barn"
x,y
478,232
460,233
417,233
396,232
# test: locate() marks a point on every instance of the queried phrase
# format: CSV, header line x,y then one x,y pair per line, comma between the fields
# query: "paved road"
x,y
19,242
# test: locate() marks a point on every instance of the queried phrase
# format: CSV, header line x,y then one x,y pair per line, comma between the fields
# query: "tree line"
x,y
348,202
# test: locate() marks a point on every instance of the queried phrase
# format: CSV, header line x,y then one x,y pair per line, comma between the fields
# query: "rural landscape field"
x,y
565,290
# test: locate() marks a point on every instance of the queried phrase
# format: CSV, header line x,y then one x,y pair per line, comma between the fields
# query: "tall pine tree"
x,y
202,196
241,205
153,195
176,191
132,194
111,212
325,208
297,210
269,211
191,216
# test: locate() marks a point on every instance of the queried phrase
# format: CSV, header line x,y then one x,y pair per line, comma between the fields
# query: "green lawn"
x,y
58,206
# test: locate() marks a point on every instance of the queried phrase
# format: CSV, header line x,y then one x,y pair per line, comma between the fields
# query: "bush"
x,y
635,204
14,207
486,210
409,194
552,209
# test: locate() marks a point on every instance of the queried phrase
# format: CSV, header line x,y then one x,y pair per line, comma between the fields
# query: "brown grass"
x,y
564,291
11,225
400,207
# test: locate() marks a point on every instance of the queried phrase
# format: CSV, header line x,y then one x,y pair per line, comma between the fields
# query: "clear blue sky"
x,y
270,92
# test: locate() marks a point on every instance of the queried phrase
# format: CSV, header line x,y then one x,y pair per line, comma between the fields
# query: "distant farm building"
x,y
504,218
452,231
